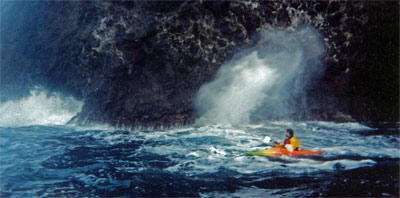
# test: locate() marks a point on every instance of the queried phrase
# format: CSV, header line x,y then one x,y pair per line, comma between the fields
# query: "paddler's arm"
x,y
277,144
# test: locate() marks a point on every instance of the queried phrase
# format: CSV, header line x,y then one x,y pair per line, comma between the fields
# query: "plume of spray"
x,y
39,108
269,82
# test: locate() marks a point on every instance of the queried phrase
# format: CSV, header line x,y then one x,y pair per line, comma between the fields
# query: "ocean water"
x,y
198,161
43,156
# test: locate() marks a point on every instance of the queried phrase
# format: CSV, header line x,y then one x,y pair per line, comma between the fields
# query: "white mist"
x,y
269,82
39,108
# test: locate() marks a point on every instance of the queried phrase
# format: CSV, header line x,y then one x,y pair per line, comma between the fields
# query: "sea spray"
x,y
39,108
269,82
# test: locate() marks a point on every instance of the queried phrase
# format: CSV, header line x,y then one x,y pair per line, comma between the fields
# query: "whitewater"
x,y
42,154
61,160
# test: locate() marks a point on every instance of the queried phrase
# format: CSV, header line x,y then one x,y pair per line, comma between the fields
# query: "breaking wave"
x,y
39,108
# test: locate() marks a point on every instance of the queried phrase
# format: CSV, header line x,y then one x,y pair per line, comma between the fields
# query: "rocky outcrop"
x,y
140,63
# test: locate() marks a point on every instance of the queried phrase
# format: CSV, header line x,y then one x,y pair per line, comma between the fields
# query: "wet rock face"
x,y
140,63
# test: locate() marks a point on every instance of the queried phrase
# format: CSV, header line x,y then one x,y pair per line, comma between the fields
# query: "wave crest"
x,y
39,108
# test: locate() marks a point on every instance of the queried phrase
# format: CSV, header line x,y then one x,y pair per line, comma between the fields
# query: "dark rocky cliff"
x,y
136,63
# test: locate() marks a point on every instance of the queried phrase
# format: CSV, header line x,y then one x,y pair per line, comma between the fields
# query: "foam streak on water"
x,y
206,161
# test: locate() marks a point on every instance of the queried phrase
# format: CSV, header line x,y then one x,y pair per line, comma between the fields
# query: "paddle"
x,y
267,140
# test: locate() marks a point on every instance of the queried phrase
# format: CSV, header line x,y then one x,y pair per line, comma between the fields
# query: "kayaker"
x,y
291,143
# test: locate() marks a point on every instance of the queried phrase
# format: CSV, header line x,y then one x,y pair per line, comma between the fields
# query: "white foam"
x,y
92,126
39,108
355,126
206,149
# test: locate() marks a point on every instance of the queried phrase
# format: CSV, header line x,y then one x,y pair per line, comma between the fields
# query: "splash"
x,y
39,108
269,82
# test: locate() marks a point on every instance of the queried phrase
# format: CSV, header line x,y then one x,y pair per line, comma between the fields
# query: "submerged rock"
x,y
140,63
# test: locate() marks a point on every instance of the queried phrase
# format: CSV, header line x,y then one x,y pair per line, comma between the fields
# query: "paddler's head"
x,y
289,132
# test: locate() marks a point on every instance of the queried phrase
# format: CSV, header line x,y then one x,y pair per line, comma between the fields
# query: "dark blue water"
x,y
207,161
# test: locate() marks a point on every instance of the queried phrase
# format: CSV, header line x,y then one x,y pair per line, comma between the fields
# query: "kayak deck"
x,y
278,152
